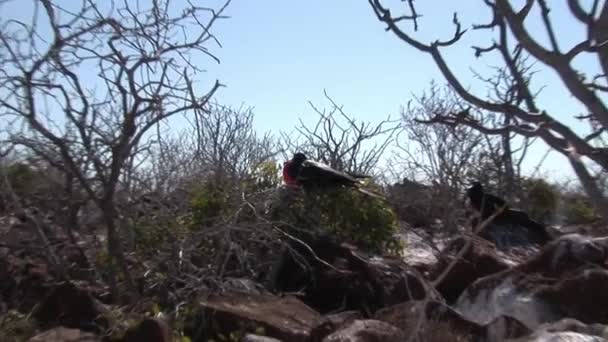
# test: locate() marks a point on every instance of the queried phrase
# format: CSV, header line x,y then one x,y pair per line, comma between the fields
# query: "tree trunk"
x,y
115,251
593,191
507,160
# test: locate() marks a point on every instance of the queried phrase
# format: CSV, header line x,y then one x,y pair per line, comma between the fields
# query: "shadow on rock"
x,y
339,278
567,279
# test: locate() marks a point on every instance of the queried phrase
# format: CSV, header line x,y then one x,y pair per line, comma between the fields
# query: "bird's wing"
x,y
312,169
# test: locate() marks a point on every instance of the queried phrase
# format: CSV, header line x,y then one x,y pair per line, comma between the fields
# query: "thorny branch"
x,y
341,142
85,94
517,101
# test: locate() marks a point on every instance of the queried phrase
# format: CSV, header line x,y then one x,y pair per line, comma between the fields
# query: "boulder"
x,y
258,338
284,318
424,318
479,260
336,277
567,279
513,228
149,330
71,306
63,334
567,329
367,331
433,321
330,323
422,248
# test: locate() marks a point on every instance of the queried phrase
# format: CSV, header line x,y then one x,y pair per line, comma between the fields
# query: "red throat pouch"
x,y
291,181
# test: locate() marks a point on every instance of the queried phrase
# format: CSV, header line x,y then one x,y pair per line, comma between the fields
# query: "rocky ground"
x,y
462,288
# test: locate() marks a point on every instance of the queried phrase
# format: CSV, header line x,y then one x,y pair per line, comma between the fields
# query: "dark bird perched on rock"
x,y
308,174
487,204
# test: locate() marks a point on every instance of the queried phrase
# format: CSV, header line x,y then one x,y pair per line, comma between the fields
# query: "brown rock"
x,y
367,331
62,334
349,280
149,330
258,338
568,279
285,318
70,306
330,323
568,329
480,259
434,321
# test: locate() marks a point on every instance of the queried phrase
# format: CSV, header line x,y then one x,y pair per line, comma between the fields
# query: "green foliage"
x,y
210,201
216,198
540,199
153,231
578,211
348,216
15,326
30,184
265,176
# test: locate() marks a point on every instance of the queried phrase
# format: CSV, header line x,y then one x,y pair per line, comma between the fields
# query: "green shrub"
x,y
578,211
31,185
540,199
209,203
346,215
214,199
265,176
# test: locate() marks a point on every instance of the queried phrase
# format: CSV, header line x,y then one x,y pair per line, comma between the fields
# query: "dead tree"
x,y
513,42
227,144
83,85
341,142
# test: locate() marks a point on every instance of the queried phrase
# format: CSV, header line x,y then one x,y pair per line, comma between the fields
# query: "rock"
x,y
422,248
567,279
149,330
507,235
480,260
431,320
62,334
22,279
422,317
504,327
570,330
70,306
339,278
367,331
284,318
330,323
258,338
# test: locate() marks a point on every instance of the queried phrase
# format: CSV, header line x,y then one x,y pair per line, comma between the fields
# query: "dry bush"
x,y
505,33
341,142
83,86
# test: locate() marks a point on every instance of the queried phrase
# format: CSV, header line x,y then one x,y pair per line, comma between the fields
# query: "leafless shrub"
x,y
436,163
141,64
339,141
516,103
227,144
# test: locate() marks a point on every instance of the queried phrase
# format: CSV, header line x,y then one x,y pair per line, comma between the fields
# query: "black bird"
x,y
488,204
301,171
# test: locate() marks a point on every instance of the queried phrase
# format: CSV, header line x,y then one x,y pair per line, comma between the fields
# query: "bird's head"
x,y
476,187
299,157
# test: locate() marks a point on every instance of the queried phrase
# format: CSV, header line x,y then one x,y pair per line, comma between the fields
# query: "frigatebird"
x,y
303,172
487,205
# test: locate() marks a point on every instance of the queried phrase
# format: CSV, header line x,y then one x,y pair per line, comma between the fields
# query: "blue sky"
x,y
278,55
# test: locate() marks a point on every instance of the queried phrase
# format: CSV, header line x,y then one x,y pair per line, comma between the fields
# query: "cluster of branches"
x,y
515,101
81,88
341,142
447,159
